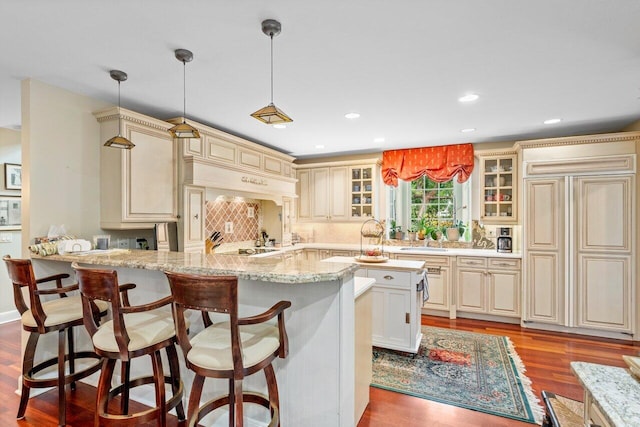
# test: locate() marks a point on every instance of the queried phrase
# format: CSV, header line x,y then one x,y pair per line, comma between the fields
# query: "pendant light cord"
x,y
184,91
119,113
271,36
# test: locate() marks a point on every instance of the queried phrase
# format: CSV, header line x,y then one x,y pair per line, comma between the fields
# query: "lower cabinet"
x,y
396,308
488,286
439,278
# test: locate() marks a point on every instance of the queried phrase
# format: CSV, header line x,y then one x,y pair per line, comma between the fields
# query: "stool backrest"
x,y
21,274
97,284
207,294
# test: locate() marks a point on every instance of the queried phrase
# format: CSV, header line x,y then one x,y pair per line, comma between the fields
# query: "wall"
x,y
234,210
10,152
635,126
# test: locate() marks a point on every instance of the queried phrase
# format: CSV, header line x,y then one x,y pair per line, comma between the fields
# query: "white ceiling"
x,y
401,64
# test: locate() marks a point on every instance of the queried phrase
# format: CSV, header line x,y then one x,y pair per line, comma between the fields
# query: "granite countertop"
x,y
615,391
267,269
392,264
415,250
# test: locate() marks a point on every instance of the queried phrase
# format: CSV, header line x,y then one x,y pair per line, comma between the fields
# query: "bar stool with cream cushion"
x,y
229,349
42,316
134,331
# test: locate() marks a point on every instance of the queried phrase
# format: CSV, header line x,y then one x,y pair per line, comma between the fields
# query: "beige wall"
x,y
635,126
10,152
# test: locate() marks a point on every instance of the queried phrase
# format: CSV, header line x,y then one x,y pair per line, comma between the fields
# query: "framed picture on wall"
x,y
10,213
12,176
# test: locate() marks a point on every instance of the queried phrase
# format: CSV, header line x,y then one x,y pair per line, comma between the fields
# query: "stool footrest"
x,y
247,397
30,381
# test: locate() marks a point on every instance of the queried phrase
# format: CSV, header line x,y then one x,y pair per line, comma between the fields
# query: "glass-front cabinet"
x,y
499,188
362,191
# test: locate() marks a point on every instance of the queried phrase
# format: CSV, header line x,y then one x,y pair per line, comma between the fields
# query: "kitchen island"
x,y
316,380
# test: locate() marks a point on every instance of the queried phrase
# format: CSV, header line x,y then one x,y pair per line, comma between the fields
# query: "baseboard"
x,y
9,316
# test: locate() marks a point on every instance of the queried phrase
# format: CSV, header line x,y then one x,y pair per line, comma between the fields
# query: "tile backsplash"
x,y
237,220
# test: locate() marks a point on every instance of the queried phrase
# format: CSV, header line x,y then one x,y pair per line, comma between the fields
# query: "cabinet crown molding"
x,y
131,116
576,140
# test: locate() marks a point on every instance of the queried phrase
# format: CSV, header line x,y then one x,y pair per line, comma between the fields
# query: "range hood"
x,y
229,180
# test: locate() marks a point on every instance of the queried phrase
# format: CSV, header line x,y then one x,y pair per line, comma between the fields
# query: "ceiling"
x,y
402,65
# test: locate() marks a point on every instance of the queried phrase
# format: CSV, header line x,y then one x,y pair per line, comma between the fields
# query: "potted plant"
x,y
455,231
412,234
395,231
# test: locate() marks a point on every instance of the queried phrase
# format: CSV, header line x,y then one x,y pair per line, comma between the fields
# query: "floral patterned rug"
x,y
474,371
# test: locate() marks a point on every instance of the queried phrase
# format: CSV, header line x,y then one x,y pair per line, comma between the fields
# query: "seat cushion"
x,y
144,329
60,310
211,348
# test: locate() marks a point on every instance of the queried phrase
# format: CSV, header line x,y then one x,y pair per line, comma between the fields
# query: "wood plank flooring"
x,y
546,356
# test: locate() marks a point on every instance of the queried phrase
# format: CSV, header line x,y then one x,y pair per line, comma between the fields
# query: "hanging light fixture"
x,y
184,130
119,141
271,114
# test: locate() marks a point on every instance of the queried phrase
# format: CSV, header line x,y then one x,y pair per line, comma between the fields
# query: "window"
x,y
438,204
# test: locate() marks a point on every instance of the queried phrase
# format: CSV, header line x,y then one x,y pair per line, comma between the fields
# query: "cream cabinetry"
x,y
329,200
340,192
396,308
488,285
579,244
193,220
138,187
499,188
439,277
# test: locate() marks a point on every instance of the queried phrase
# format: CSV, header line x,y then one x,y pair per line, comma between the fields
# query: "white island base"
x,y
316,380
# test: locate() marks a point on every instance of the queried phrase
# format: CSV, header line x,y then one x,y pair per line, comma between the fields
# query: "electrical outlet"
x,y
123,243
251,212
228,227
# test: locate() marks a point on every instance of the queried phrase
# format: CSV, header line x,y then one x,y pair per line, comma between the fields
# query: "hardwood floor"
x,y
546,356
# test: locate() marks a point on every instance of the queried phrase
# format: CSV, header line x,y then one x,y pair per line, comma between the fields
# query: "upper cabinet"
x,y
499,188
138,187
344,192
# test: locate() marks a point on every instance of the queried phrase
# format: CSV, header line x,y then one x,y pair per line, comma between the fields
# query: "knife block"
x,y
208,247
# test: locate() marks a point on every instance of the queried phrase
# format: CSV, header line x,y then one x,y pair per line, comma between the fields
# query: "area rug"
x,y
474,371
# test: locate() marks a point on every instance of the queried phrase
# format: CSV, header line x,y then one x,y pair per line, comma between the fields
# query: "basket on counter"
x,y
372,242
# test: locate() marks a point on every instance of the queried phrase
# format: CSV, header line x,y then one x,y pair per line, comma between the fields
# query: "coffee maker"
x,y
504,242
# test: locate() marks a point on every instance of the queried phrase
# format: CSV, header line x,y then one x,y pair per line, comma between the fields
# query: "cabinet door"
x,y
504,293
338,197
378,314
604,287
320,204
304,194
150,179
439,283
498,181
544,241
471,290
193,221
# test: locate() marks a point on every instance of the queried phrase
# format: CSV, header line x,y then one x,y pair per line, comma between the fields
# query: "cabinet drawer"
x,y
469,261
396,279
442,261
504,263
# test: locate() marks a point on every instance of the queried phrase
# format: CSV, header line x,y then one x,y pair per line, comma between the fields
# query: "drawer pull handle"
x,y
387,277
433,270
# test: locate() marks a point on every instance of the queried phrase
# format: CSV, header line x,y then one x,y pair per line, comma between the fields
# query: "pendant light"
x,y
271,114
184,130
119,141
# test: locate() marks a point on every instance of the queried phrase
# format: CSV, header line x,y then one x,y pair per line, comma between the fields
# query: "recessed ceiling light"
x,y
468,130
353,115
552,121
280,126
319,147
469,97
378,139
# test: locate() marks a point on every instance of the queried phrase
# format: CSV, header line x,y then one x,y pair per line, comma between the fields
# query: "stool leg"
x,y
272,387
158,375
194,398
174,370
62,415
235,403
27,366
125,374
104,384
72,356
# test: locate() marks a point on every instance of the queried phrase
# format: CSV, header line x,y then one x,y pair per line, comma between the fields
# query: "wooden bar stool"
x,y
134,331
231,349
59,315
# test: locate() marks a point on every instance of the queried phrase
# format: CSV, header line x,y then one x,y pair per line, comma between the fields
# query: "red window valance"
x,y
440,163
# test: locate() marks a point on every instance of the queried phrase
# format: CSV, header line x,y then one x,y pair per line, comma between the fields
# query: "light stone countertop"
x,y
614,390
392,264
267,269
415,250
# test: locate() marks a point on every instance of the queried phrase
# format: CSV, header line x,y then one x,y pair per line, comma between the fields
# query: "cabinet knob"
x,y
196,216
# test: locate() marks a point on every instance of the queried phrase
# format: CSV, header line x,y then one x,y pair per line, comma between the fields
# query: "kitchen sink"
x,y
422,249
